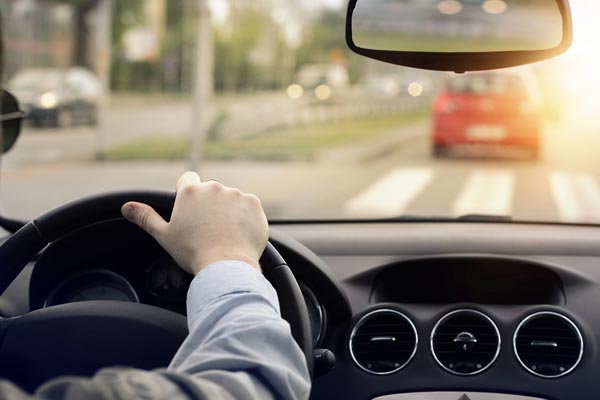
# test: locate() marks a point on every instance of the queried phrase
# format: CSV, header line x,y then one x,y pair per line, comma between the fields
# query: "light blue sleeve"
x,y
238,345
238,348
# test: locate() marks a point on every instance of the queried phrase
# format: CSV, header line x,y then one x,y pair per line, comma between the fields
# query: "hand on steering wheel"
x,y
80,338
209,223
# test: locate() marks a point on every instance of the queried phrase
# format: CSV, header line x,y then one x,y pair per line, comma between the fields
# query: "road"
x,y
392,176
129,119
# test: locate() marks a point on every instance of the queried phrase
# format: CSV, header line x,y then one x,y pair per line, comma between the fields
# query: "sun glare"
x,y
580,65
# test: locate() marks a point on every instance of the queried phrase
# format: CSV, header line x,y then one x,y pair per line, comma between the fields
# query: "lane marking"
x,y
391,194
576,195
486,192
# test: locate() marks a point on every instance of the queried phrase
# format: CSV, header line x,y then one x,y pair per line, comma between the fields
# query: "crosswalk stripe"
x,y
486,192
391,194
576,195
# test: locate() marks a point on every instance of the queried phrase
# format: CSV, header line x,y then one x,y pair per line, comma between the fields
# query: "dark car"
x,y
488,109
58,97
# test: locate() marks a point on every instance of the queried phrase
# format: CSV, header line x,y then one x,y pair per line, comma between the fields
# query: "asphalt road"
x,y
391,177
129,119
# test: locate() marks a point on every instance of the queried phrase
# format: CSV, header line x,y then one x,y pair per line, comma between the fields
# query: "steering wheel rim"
x,y
23,246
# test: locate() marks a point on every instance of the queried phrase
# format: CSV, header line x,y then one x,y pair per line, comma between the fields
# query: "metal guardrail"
x,y
287,115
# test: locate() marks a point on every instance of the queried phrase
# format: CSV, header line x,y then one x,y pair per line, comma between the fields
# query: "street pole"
x,y
103,61
203,84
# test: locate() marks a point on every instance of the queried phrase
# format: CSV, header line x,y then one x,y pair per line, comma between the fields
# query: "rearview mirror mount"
x,y
459,36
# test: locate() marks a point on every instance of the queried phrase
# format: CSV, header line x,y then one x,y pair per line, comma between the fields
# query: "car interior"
x,y
480,307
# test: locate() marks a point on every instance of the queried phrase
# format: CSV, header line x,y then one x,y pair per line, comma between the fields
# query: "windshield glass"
x,y
264,95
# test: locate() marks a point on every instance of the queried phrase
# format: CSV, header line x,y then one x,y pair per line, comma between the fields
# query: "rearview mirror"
x,y
11,118
459,35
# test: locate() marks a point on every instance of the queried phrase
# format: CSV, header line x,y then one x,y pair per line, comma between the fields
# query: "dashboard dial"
x,y
166,278
100,292
95,284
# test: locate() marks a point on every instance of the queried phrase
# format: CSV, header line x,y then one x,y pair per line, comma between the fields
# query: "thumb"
x,y
145,217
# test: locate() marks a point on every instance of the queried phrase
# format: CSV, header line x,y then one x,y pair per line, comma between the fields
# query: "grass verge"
x,y
296,143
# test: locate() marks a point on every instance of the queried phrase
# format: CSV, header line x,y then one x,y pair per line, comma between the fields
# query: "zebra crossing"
x,y
392,193
577,196
486,192
568,196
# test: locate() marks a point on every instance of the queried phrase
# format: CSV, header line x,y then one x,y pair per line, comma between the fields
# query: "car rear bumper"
x,y
38,114
523,132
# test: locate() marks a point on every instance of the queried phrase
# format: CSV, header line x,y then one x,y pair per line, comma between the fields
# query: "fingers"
x,y
145,217
188,178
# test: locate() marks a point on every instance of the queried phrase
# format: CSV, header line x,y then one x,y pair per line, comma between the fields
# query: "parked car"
x,y
499,108
322,81
58,97
399,85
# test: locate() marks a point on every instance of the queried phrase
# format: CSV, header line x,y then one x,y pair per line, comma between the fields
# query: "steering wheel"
x,y
80,338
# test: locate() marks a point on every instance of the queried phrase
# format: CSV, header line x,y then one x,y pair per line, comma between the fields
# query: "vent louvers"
x,y
465,342
548,344
383,342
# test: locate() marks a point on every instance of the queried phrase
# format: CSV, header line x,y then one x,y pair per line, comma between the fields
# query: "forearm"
x,y
237,338
238,348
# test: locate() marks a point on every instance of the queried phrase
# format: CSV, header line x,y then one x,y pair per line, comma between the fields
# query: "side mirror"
x,y
11,118
459,35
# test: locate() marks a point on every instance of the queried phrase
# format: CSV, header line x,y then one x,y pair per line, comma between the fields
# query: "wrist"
x,y
208,259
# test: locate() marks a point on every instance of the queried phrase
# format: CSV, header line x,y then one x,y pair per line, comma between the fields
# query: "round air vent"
x,y
548,344
465,342
383,342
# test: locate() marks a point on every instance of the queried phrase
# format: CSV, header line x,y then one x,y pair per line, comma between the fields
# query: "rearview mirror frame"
x,y
463,62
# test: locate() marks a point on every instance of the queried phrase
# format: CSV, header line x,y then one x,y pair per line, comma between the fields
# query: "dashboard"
x,y
104,265
411,310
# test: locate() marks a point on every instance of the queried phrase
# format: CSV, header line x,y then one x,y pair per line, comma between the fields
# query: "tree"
x,y
326,36
125,74
126,14
249,48
81,33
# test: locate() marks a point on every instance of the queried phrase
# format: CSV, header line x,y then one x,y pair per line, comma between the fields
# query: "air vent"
x,y
548,344
383,342
465,342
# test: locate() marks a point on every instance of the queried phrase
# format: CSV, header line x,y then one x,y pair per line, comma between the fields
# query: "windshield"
x,y
264,95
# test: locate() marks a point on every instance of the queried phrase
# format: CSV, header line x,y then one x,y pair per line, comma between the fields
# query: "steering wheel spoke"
x,y
81,338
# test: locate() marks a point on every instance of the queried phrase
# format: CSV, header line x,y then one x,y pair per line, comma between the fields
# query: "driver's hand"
x,y
210,222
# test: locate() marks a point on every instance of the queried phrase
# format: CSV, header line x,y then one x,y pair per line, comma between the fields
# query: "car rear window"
x,y
484,84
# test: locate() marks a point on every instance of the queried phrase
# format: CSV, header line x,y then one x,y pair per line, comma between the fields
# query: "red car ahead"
x,y
497,109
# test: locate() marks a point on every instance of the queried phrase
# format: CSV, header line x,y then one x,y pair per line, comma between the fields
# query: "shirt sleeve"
x,y
238,339
238,347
